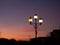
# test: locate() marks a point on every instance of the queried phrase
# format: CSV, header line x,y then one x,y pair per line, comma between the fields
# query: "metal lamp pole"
x,y
35,23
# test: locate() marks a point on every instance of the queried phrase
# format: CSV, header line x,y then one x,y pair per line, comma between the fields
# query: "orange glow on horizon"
x,y
24,37
20,33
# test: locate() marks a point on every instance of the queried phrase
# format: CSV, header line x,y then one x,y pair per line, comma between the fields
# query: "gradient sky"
x,y
14,16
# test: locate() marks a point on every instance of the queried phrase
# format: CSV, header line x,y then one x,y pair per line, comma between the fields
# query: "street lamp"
x,y
36,23
30,20
35,17
40,21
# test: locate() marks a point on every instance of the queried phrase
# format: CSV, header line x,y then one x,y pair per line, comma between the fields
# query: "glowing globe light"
x,y
35,17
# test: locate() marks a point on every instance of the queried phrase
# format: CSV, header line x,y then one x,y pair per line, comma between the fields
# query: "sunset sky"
x,y
14,16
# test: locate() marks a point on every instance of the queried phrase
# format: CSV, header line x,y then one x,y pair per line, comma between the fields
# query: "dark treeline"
x,y
54,39
35,41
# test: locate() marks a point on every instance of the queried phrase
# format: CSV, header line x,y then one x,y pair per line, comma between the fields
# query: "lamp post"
x,y
37,21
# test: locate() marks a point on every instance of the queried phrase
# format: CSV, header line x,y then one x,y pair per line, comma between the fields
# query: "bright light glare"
x,y
35,17
40,21
30,19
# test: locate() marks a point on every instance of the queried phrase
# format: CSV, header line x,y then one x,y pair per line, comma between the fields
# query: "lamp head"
x,y
35,17
30,20
40,21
